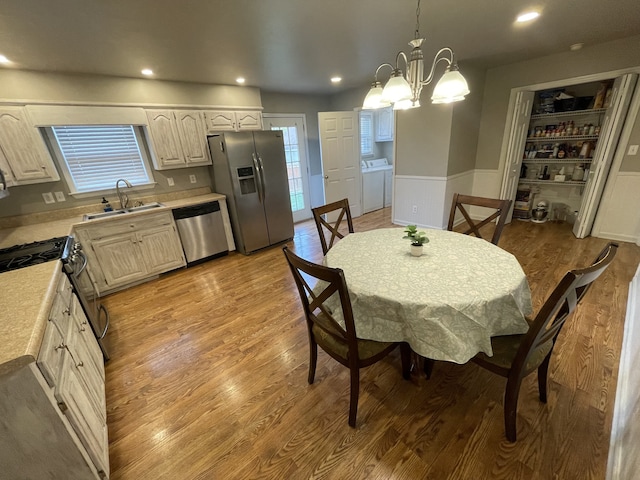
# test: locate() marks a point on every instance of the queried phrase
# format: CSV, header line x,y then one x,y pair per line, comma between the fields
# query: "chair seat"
x,y
366,348
505,349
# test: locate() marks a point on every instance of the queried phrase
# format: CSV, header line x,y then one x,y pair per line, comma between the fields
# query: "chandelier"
x,y
403,90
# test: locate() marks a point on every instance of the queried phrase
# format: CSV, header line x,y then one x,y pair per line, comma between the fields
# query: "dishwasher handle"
x,y
196,210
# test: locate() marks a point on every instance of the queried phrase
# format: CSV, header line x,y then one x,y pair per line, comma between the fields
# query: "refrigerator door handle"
x,y
264,187
258,177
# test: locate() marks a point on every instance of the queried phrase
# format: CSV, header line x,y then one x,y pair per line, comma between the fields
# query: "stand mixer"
x,y
539,214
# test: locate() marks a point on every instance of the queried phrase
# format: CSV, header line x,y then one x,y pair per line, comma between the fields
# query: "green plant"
x,y
417,237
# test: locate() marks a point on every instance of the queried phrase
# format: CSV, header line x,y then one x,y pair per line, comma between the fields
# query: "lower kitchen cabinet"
x,y
53,412
126,251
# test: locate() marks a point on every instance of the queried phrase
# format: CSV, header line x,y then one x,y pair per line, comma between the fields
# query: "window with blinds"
x,y
96,156
366,133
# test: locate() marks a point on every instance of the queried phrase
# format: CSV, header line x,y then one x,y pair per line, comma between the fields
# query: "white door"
x,y
340,150
517,140
607,144
293,129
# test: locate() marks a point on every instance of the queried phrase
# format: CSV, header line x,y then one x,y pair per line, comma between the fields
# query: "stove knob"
x,y
77,247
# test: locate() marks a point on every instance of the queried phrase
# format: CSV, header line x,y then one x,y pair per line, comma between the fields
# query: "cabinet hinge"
x,y
63,406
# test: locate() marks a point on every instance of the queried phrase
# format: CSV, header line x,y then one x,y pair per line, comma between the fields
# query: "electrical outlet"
x,y
414,209
633,150
192,178
60,196
48,197
170,181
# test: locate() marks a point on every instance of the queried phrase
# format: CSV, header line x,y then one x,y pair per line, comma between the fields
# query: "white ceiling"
x,y
291,45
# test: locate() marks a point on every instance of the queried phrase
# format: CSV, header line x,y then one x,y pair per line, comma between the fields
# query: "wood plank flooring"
x,y
209,380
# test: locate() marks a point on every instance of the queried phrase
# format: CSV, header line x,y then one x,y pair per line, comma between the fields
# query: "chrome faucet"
x,y
124,199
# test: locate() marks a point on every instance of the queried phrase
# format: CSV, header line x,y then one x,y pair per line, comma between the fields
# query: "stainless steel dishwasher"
x,y
201,231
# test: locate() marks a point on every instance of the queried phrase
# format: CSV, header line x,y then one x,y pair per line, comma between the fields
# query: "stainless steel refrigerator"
x,y
250,168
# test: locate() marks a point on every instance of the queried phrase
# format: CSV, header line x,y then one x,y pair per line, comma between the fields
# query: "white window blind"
x,y
366,133
98,155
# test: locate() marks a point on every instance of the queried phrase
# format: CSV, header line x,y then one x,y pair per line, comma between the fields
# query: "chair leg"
x,y
405,357
428,366
355,392
511,407
543,373
313,357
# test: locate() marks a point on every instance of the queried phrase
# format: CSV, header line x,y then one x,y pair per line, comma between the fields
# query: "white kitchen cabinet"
x,y
24,149
178,139
193,137
384,125
69,407
160,250
119,259
9,178
235,121
123,251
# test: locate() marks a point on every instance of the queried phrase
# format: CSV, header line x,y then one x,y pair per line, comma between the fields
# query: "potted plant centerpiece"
x,y
418,239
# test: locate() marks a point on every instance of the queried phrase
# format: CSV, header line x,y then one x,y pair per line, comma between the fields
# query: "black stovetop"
x,y
28,254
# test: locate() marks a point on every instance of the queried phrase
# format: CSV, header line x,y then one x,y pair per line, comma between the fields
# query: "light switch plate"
x,y
633,150
48,197
170,181
192,178
60,196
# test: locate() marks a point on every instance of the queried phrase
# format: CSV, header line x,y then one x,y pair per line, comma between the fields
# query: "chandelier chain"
x,y
417,34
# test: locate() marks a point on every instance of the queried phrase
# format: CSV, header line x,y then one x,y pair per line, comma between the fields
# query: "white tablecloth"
x,y
447,304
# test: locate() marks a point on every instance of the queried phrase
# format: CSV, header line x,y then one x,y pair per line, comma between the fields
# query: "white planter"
x,y
416,250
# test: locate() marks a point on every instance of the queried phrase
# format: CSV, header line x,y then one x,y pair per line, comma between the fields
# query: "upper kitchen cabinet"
x,y
178,139
24,149
225,120
384,125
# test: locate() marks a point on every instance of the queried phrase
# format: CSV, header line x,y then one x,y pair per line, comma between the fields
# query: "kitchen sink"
x,y
139,208
146,206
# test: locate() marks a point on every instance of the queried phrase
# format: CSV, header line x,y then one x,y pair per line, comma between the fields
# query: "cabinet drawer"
x,y
131,223
51,352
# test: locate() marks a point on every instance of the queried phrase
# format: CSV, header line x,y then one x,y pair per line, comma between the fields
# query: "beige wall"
x,y
465,125
310,105
631,163
423,139
22,85
617,55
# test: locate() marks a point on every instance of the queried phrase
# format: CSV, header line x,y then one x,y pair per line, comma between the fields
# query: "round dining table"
x,y
447,303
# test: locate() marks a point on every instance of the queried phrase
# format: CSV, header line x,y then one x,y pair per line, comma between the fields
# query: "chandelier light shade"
x,y
452,87
373,99
403,90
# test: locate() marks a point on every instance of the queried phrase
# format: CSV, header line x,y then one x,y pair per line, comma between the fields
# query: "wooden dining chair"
x,y
339,342
501,208
516,356
326,227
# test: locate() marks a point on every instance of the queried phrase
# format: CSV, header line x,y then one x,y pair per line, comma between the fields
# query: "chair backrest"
x,y
341,208
501,207
546,326
314,302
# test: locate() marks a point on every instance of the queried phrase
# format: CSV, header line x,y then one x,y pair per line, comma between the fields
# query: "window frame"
x,y
371,152
143,148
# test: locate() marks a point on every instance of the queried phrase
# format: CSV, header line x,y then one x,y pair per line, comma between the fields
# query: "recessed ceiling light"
x,y
4,59
146,71
240,80
336,79
527,17
576,46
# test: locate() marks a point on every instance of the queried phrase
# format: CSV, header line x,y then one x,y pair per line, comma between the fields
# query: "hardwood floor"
x,y
209,380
